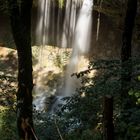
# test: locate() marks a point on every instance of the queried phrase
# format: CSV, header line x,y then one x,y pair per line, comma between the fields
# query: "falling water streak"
x,y
40,21
83,27
41,34
39,26
43,37
43,26
66,21
53,22
98,22
69,22
80,45
46,21
72,20
59,20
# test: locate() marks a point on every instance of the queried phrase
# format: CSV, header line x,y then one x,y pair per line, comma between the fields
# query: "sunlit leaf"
x,y
137,94
139,78
131,92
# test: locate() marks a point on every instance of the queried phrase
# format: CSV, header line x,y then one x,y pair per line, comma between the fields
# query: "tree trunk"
x,y
108,129
126,47
20,15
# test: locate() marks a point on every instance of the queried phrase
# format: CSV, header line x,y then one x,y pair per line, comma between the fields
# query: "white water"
x,y
76,34
81,43
83,28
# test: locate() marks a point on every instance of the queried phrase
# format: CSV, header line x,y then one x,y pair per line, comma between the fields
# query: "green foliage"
x,y
81,118
4,5
128,123
61,59
45,127
135,94
107,81
8,129
7,124
58,62
85,135
61,3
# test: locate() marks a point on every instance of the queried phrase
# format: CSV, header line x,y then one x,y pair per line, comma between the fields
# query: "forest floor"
x,y
8,87
8,75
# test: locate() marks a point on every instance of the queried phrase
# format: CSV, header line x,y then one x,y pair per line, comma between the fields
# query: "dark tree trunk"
x,y
108,118
20,15
126,46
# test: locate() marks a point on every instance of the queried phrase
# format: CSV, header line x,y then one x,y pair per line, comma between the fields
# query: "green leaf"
x,y
131,92
139,78
137,94
138,101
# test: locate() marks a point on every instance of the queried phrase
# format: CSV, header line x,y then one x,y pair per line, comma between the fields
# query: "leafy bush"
x,y
7,124
61,59
81,117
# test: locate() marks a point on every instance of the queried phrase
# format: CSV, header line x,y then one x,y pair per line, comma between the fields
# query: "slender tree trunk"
x,y
126,47
108,118
20,15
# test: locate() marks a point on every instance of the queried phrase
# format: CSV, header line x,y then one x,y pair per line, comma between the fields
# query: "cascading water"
x,y
42,32
81,43
43,21
83,28
76,35
70,22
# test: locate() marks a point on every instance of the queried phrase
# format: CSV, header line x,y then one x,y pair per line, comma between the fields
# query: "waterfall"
x,y
70,28
81,44
42,33
69,22
42,29
83,28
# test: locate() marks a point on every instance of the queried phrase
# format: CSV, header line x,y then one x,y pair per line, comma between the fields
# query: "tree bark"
x,y
20,15
127,46
108,129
